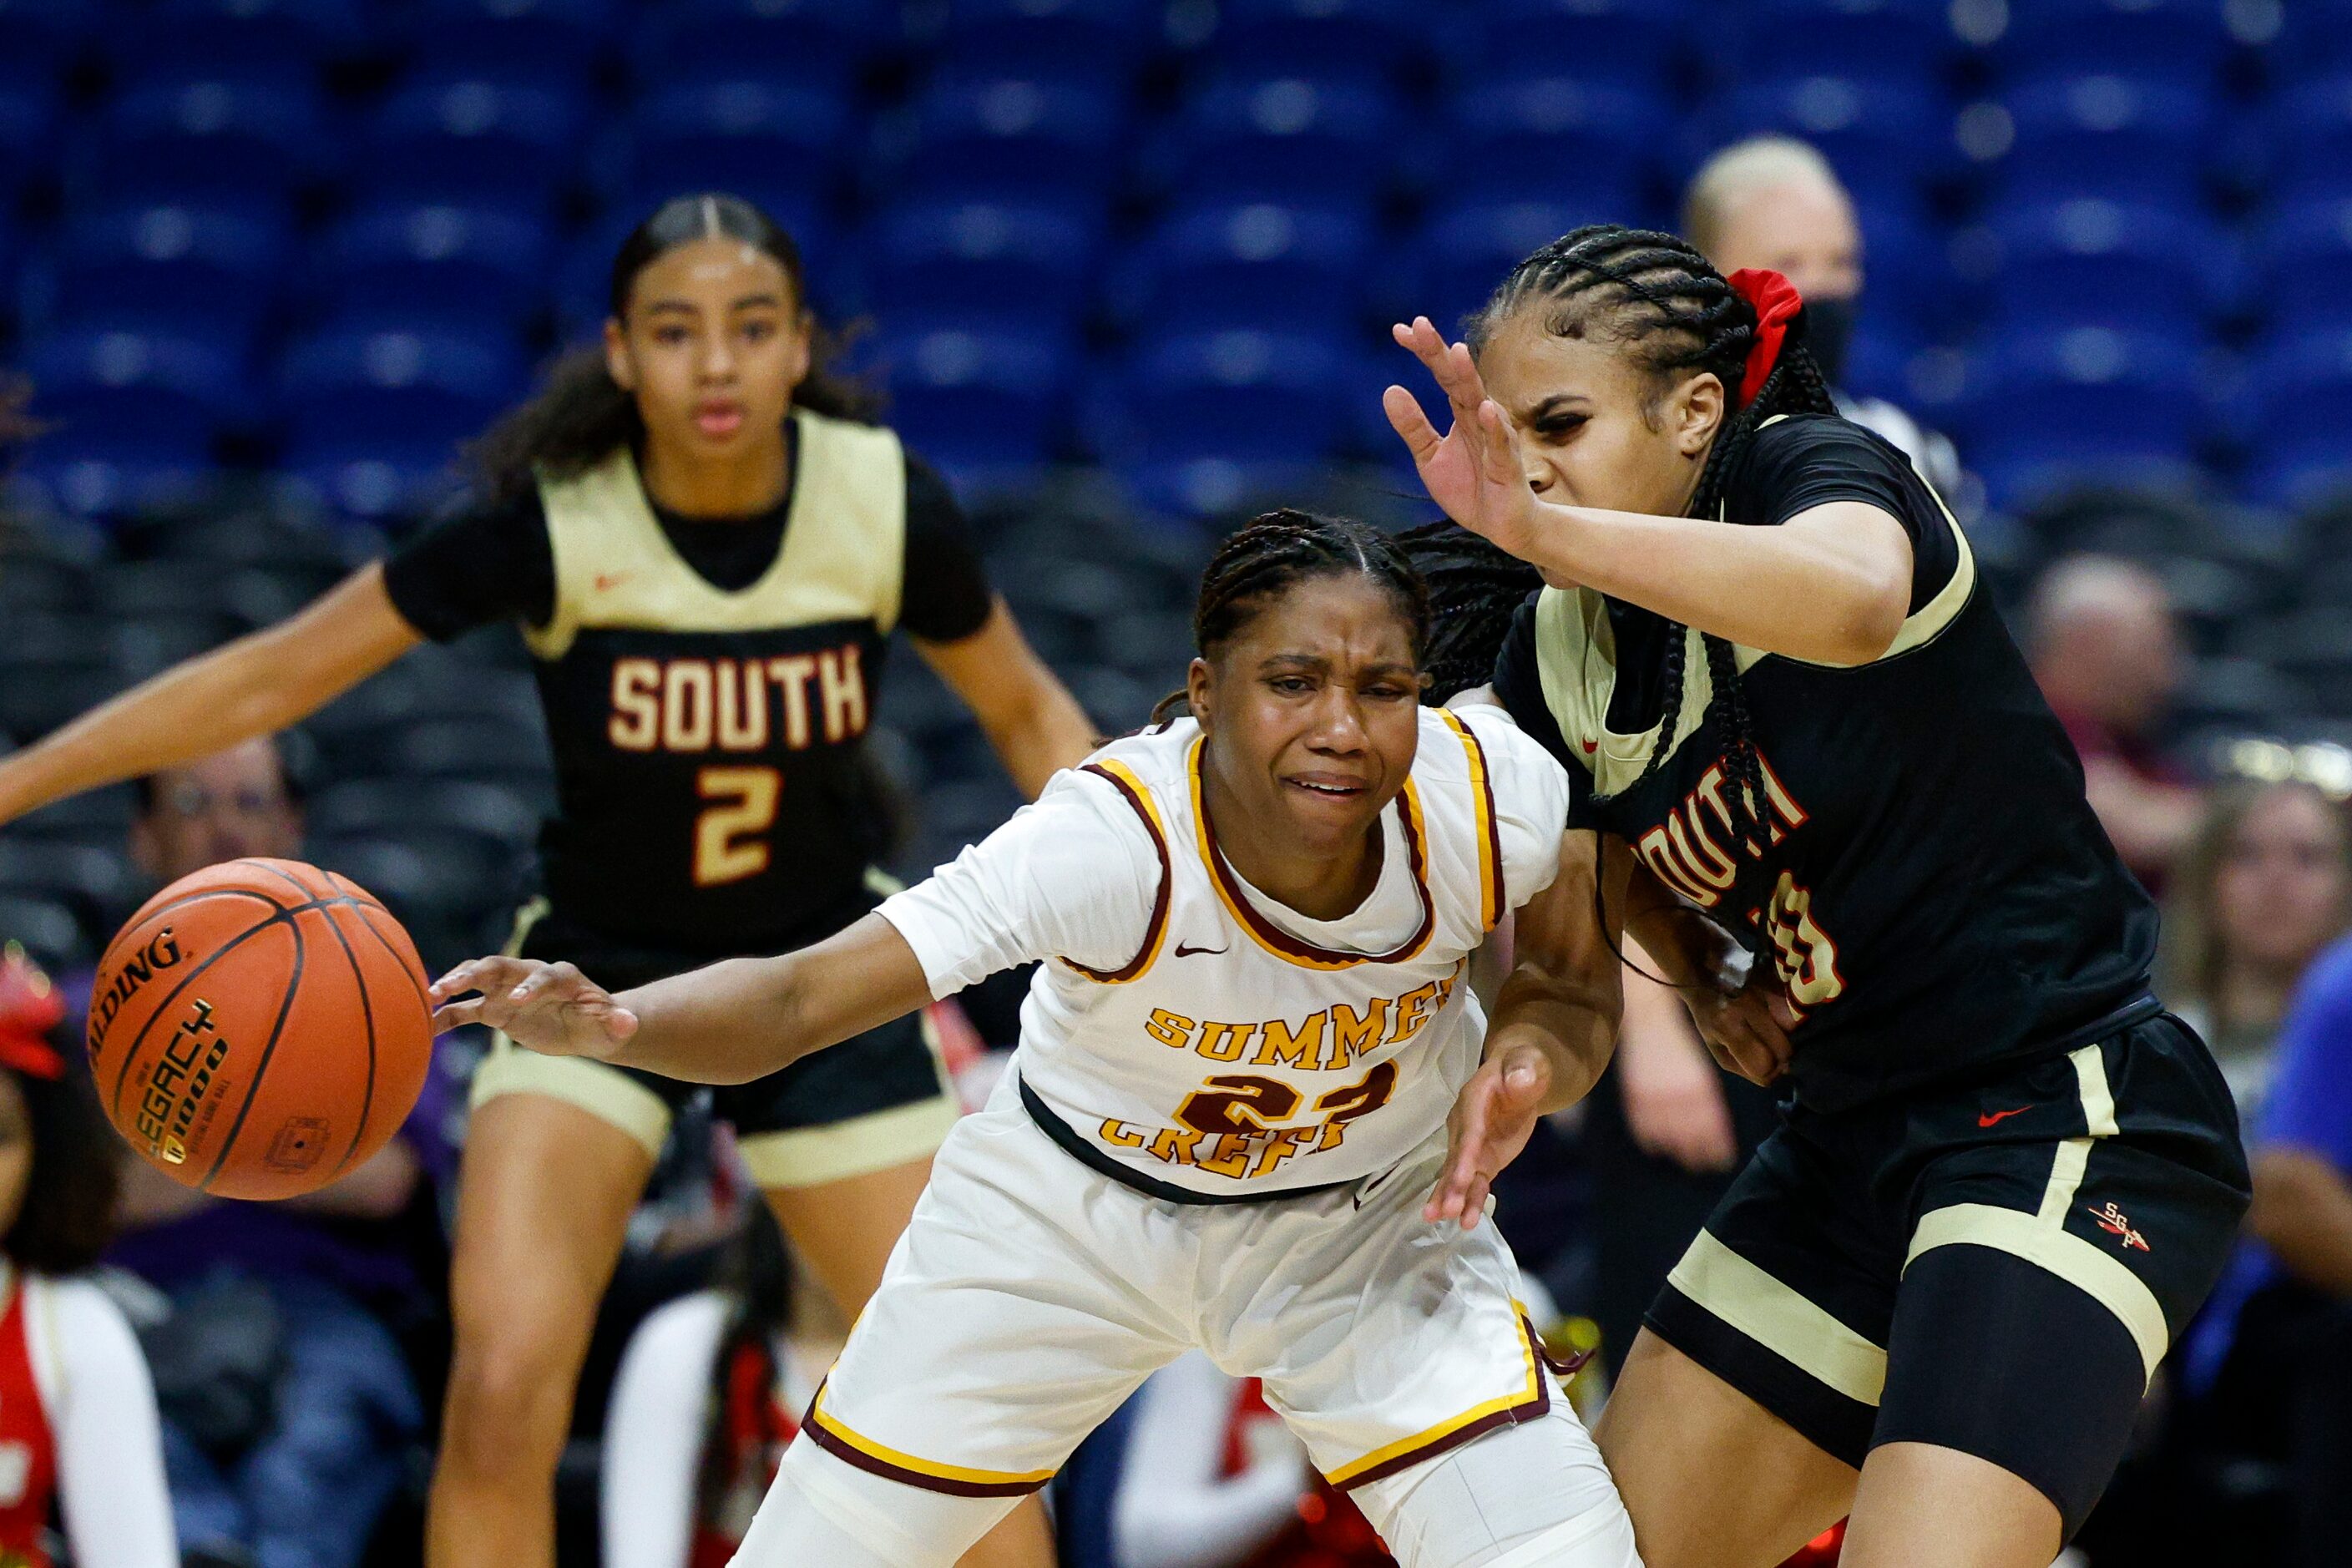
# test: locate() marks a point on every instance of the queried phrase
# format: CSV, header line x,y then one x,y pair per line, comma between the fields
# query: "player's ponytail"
x,y
1666,306
582,415
1280,549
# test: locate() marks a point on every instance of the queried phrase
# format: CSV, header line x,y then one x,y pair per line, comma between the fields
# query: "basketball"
x,y
260,1029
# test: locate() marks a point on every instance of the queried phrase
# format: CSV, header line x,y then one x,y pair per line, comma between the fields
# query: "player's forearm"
x,y
1799,591
1049,732
2303,1212
1572,1023
256,685
730,1022
1680,945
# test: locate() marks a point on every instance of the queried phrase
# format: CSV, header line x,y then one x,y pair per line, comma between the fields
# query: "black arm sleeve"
x,y
1811,459
945,597
473,567
1520,686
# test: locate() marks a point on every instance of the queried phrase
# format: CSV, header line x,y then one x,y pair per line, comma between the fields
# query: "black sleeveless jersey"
x,y
714,795
1936,894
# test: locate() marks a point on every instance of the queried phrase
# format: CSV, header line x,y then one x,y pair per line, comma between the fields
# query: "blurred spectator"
x,y
2263,887
77,1429
2273,1357
291,1410
2101,636
1774,203
710,1393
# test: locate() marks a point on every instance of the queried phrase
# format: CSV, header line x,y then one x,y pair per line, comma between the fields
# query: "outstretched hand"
x,y
1473,470
1490,1123
551,1009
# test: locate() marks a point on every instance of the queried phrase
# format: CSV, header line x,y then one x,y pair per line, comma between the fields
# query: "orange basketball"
x,y
260,1029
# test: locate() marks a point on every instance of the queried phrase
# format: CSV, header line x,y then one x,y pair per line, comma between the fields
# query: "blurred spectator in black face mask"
x,y
1774,203
2104,646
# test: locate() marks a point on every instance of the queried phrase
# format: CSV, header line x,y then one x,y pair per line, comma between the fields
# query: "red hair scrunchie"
x,y
1777,303
30,1006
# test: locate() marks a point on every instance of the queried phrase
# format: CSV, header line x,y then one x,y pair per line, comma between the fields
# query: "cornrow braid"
x,y
1475,589
1278,550
1676,315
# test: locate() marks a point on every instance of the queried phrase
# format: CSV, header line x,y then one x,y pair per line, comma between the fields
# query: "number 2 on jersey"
x,y
728,842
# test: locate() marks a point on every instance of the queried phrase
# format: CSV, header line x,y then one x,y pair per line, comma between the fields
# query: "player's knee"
x,y
508,1403
823,1510
1531,1496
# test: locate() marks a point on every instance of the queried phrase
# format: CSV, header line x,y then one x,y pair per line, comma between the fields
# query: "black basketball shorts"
x,y
1996,1267
874,1101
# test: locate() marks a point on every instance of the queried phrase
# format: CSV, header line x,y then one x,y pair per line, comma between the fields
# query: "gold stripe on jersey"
x,y
877,1459
842,557
1155,930
1280,942
1526,1403
1492,903
2042,1237
1780,1318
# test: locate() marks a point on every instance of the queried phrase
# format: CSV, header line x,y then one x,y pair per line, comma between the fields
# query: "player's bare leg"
x,y
1712,1478
844,1230
1921,1505
543,1203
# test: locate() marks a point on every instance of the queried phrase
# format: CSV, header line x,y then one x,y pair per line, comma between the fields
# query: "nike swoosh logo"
x,y
2001,1115
1183,951
1590,747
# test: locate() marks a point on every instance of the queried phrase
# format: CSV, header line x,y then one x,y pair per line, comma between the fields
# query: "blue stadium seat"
x,y
546,40
283,38
45,35
1282,138
2043,408
31,105
101,358
1313,37
482,264
1466,251
2302,409
2091,262
986,257
2307,264
1095,38
1638,44
2314,40
470,139
824,43
1888,139
379,456
199,137
1259,264
1907,44
396,361
1010,139
2310,136
984,403
108,449
1571,135
2126,138
1203,423
2185,42
737,133
170,266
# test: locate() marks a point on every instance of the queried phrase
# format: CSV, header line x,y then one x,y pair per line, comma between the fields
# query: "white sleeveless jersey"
x,y
1200,1036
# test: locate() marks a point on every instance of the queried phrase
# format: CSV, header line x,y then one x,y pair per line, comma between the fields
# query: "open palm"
x,y
1473,470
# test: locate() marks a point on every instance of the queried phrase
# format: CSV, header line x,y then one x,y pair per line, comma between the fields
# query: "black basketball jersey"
x,y
714,795
1936,894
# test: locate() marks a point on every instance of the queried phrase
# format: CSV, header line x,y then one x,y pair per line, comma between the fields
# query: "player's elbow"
x,y
1868,617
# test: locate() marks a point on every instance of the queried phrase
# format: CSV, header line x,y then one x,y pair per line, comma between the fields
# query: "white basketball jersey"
x,y
1230,1058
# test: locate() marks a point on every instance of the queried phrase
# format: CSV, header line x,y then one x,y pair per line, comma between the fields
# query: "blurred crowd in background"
x,y
1127,267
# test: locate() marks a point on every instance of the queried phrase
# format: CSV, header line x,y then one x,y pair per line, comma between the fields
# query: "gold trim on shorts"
x,y
813,1156
1780,1318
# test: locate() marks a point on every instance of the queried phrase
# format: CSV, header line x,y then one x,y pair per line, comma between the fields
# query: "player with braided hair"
x,y
2005,1177
1250,1074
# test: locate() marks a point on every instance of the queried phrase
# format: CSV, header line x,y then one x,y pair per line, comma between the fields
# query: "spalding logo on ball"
x,y
260,1029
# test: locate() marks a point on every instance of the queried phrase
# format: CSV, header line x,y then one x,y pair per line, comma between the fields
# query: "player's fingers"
x,y
1428,346
1474,1202
1405,418
1457,372
477,974
1498,446
455,1015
